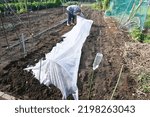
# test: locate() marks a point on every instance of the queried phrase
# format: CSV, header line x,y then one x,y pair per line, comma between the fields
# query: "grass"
x,y
147,38
144,82
96,6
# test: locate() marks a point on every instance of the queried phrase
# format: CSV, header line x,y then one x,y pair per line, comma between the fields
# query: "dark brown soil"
x,y
115,45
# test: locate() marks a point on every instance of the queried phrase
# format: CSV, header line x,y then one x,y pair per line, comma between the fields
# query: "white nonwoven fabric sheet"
x,y
60,67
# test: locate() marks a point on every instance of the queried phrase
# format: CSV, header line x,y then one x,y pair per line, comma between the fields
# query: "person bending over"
x,y
72,12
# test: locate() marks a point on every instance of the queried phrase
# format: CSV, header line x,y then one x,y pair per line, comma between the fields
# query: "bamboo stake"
x,y
91,82
134,12
141,1
23,44
4,31
117,82
125,12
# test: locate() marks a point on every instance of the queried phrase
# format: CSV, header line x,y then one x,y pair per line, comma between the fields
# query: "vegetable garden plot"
x,y
110,41
60,66
31,25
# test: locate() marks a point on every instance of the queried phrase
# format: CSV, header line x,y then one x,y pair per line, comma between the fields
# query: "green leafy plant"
x,y
101,4
147,23
97,6
137,34
147,39
23,6
57,2
106,4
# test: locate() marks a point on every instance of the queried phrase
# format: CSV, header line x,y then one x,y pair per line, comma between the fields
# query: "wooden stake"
x,y
117,82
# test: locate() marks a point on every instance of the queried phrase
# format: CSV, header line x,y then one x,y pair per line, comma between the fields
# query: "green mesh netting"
x,y
129,13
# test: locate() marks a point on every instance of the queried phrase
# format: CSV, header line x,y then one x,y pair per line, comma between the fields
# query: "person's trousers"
x,y
71,18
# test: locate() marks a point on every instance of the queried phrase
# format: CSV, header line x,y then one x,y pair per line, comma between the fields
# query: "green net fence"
x,y
129,13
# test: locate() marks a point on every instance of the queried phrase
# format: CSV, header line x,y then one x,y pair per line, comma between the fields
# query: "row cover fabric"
x,y
60,67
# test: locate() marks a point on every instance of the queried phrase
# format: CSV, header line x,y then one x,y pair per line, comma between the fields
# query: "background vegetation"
x,y
21,6
101,4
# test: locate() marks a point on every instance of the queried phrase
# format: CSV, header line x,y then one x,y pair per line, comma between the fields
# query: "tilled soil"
x,y
118,54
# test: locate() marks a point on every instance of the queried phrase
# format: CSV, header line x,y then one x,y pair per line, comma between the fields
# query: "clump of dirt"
x,y
117,48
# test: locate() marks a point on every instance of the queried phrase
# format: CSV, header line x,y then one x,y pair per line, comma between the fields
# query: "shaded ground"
x,y
116,46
